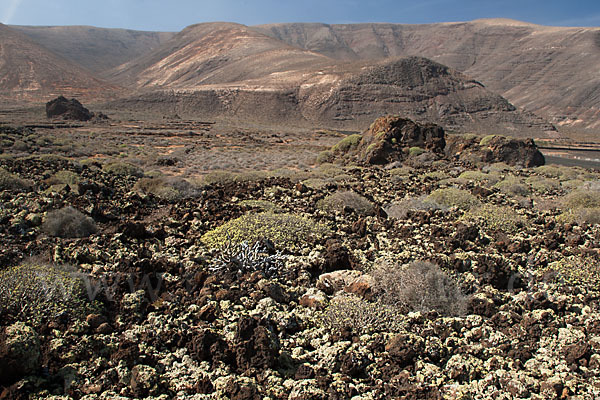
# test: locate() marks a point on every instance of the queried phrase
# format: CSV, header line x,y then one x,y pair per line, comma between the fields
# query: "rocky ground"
x,y
168,304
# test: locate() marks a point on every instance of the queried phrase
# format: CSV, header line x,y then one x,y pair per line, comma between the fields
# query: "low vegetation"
x,y
34,293
347,199
10,181
496,218
418,286
285,230
453,197
68,222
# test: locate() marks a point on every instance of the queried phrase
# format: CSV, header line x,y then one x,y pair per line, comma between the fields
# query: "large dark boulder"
x,y
67,109
494,148
390,139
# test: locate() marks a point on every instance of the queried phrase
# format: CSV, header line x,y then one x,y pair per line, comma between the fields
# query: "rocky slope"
x,y
547,70
31,72
309,316
97,49
230,71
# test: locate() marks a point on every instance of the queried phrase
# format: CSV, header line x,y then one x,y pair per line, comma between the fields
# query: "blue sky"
x,y
174,15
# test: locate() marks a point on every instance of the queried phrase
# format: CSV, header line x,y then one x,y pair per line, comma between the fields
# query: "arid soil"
x,y
334,311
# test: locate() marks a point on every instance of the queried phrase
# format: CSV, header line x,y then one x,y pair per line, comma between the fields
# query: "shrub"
x,y
123,169
453,197
168,188
288,230
543,185
581,199
64,177
436,175
416,151
361,316
217,177
339,201
68,223
346,144
418,286
573,271
325,156
580,216
400,209
493,217
557,172
10,181
479,177
486,140
34,293
513,186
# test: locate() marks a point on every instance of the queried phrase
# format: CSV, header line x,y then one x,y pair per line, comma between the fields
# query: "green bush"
x,y
479,177
325,156
418,286
68,223
10,181
543,185
33,293
486,140
346,144
581,199
361,316
168,188
513,186
580,216
557,172
64,177
287,230
123,169
416,151
493,217
400,209
573,271
339,201
453,197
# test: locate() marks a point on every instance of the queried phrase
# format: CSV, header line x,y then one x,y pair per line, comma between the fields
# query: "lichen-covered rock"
x,y
393,138
19,352
494,148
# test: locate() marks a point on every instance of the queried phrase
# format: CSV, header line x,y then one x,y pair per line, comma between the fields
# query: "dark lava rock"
x,y
237,391
404,349
256,345
576,352
67,109
389,138
512,151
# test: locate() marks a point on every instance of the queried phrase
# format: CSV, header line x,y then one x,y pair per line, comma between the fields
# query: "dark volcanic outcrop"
x,y
391,139
494,148
551,71
229,71
64,108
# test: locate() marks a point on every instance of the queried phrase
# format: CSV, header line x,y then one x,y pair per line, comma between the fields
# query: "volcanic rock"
x,y
19,352
496,148
67,109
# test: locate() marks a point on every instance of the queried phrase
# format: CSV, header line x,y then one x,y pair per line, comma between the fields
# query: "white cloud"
x,y
10,11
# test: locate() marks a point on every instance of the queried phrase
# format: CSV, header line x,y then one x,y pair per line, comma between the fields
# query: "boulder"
x,y
391,138
494,148
19,353
64,108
